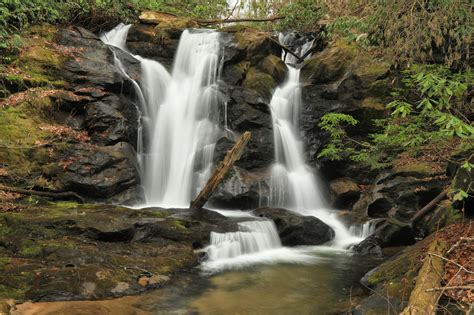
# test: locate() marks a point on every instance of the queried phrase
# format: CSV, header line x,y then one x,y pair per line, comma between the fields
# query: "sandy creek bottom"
x,y
328,286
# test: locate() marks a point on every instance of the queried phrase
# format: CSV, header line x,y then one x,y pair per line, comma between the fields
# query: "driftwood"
x,y
423,298
238,20
53,195
221,171
430,206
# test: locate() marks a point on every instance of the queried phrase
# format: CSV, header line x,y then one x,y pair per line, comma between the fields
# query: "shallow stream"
x,y
328,286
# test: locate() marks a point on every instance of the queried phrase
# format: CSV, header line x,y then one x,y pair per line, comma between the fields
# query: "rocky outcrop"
x,y
295,229
104,173
66,251
344,192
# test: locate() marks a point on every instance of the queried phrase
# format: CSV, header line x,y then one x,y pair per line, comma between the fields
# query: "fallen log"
x,y
53,195
423,300
238,20
221,171
430,206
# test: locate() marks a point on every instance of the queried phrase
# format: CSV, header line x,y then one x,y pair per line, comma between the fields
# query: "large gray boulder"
x,y
295,229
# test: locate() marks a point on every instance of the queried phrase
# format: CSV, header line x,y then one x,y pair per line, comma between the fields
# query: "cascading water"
x,y
255,242
293,183
179,120
185,127
178,117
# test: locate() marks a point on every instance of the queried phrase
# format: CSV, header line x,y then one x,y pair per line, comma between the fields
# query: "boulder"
x,y
92,65
399,194
344,192
261,82
100,173
295,229
275,67
328,65
388,233
111,120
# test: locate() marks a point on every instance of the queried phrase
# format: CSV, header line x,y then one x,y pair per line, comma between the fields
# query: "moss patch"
x,y
260,82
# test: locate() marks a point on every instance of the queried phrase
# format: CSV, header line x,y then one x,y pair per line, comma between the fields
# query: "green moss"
x,y
4,261
7,292
274,66
373,103
179,225
31,250
260,82
415,167
64,204
330,64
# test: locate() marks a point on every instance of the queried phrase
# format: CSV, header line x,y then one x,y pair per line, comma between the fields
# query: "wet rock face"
x,y
103,106
295,229
102,173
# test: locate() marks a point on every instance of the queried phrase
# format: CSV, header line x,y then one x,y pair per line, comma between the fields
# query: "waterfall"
x,y
178,118
293,183
185,128
252,237
117,36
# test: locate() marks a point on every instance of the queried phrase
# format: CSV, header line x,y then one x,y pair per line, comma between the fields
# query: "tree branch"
x,y
238,20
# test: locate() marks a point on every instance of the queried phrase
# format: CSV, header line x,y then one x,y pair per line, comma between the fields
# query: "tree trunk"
x,y
430,206
423,300
221,171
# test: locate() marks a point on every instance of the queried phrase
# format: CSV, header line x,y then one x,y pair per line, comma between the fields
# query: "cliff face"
x,y
70,123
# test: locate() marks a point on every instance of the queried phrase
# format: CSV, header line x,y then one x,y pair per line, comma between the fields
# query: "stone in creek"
x,y
295,229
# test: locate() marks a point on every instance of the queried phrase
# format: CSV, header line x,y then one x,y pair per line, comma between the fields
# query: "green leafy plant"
x,y
432,106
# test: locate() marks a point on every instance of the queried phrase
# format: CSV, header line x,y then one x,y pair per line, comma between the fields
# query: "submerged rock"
x,y
295,229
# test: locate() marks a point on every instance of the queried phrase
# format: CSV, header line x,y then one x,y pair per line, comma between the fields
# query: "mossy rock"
x,y
261,82
275,67
368,69
328,65
38,60
72,251
372,103
445,214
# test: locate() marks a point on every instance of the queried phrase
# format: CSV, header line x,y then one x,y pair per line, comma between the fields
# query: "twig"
x,y
451,261
462,287
469,239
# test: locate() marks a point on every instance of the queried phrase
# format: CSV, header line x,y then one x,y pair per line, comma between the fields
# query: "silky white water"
x,y
294,184
178,117
184,121
256,242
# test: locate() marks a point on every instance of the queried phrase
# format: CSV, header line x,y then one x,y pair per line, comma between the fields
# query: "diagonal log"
x,y
221,171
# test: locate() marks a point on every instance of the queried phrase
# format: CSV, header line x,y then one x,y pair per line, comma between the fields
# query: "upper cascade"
x,y
293,183
179,116
185,122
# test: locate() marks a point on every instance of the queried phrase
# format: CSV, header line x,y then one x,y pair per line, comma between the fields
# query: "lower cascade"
x,y
256,242
252,237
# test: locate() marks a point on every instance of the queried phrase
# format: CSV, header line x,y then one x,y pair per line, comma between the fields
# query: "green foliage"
x,y
424,30
430,107
335,124
350,28
301,15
